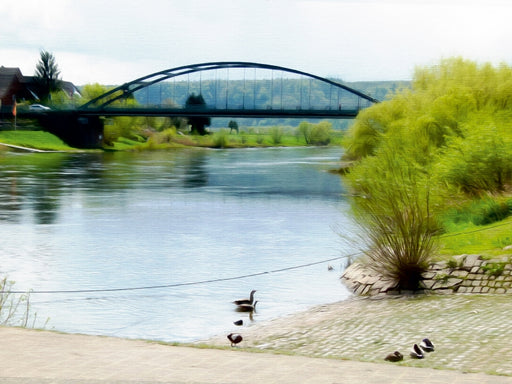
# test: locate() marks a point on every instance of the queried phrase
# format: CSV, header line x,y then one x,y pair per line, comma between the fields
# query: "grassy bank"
x,y
251,138
487,240
35,139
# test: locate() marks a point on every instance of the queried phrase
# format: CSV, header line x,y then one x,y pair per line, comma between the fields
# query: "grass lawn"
x,y
34,139
488,240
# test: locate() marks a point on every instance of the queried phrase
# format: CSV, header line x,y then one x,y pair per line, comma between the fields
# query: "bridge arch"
x,y
129,89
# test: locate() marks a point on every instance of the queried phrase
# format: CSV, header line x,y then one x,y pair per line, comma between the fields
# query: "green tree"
x,y
233,126
116,127
198,123
321,133
47,75
92,91
304,129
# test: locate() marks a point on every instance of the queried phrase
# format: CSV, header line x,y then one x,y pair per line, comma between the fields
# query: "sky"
x,y
115,41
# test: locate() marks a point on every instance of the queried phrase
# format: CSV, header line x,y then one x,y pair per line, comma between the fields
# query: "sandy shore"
x,y
472,333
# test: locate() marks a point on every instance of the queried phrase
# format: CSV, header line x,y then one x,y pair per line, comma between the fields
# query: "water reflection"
x,y
195,172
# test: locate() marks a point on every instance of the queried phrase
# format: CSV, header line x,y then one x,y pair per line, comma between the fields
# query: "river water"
x,y
157,245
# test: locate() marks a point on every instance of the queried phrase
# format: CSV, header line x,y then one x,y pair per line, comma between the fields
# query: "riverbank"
x,y
471,333
47,357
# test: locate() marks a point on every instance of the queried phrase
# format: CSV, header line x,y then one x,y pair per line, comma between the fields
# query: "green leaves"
x,y
47,74
454,121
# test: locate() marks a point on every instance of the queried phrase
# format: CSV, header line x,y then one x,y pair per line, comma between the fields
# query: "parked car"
x,y
38,108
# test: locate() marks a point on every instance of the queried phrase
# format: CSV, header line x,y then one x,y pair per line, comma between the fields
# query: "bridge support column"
x,y
75,130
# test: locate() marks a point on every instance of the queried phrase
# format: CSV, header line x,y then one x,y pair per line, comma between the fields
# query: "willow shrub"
x,y
394,209
478,163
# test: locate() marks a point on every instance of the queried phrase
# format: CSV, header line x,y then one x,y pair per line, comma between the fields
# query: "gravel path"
x,y
472,333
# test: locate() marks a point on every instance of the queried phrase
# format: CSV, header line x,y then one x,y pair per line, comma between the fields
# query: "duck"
x,y
235,338
247,307
394,357
239,322
427,345
250,300
416,352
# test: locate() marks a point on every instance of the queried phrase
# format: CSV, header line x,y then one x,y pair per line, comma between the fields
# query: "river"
x,y
157,245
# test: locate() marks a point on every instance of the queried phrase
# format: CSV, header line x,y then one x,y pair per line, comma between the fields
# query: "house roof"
x,y
7,77
13,82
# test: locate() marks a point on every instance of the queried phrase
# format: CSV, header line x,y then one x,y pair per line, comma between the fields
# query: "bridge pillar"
x,y
77,131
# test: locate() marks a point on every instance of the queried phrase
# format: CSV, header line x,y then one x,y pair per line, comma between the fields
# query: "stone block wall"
x,y
461,274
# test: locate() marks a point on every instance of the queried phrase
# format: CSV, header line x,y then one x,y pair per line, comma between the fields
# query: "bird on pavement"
x,y
234,338
416,352
427,345
395,356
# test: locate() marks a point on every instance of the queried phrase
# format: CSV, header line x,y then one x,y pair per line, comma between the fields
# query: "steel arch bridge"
x,y
281,92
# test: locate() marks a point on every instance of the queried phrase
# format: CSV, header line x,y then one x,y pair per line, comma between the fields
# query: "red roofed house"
x,y
15,86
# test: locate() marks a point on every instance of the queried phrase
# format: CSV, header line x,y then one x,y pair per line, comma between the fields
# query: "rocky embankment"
x,y
461,274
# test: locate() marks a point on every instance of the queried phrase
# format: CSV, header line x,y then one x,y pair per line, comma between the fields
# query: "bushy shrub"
x,y
491,211
276,133
321,133
304,130
479,162
315,134
14,309
394,208
220,139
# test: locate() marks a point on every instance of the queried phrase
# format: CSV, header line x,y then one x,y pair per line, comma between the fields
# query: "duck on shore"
x,y
416,352
235,338
427,345
394,357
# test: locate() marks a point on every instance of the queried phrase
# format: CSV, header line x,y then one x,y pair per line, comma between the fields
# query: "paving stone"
x,y
471,261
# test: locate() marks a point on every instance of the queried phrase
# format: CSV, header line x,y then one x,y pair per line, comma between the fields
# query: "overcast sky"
x,y
115,41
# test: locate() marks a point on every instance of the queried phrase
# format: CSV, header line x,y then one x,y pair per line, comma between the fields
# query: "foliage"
x,y
277,135
198,123
233,126
220,139
121,126
494,269
315,134
477,212
304,130
14,309
62,100
446,102
321,133
478,161
47,74
394,208
450,132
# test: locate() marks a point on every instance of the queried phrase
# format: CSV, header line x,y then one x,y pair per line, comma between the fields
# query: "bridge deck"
x,y
210,112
